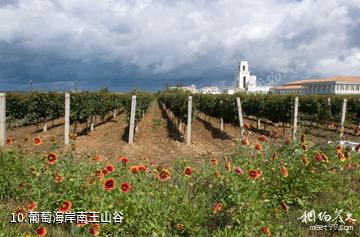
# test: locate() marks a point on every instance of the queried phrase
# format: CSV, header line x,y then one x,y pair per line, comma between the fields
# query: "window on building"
x,y
244,81
244,68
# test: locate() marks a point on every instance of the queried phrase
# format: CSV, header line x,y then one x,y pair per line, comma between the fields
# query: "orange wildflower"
x,y
142,168
94,232
9,141
262,138
51,158
134,169
304,146
124,160
266,230
110,168
31,206
246,125
58,178
284,206
217,207
302,138
125,187
305,159
99,174
109,184
217,174
254,174
245,141
228,166
98,159
188,171
284,172
258,147
65,207
37,141
164,175
105,172
180,226
41,231
214,162
273,156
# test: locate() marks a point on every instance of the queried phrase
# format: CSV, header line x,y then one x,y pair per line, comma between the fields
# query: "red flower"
x,y
262,138
109,184
125,187
37,141
217,207
124,160
238,170
51,158
266,230
258,147
302,138
31,206
254,174
142,168
93,232
65,207
246,125
188,171
245,141
164,175
58,178
41,231
284,172
134,169
9,141
98,158
318,157
99,174
110,168
105,172
214,162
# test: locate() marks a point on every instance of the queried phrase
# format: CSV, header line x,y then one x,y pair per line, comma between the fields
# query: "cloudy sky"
x,y
148,44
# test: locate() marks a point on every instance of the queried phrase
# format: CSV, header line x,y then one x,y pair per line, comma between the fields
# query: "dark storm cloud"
x,y
148,44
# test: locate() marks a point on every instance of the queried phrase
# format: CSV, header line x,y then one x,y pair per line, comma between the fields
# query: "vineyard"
x,y
224,183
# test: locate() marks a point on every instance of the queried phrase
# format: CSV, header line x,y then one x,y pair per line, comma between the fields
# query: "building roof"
x,y
298,84
287,87
346,79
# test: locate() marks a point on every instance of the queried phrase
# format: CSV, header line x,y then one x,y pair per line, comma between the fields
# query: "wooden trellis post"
x,y
67,119
221,119
189,117
342,121
296,109
132,119
2,119
241,121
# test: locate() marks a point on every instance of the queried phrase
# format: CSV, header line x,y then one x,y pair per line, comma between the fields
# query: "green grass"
x,y
155,208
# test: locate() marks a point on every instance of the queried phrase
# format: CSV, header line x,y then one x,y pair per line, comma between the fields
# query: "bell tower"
x,y
242,76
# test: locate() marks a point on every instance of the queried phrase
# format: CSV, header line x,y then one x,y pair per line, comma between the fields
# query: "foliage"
x,y
184,205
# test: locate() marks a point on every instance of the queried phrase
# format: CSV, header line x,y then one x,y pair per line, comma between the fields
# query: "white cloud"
x,y
160,36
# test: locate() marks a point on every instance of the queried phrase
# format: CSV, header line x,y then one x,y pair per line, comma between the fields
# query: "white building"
x,y
210,90
336,85
244,81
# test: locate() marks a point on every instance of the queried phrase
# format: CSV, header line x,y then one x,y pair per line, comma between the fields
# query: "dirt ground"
x,y
158,138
